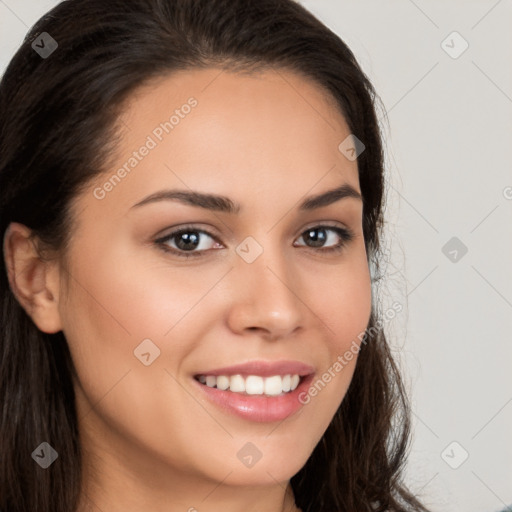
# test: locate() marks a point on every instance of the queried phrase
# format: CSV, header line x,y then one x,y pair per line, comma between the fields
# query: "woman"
x,y
191,204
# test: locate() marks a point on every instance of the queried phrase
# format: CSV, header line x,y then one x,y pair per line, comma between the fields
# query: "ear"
x,y
34,281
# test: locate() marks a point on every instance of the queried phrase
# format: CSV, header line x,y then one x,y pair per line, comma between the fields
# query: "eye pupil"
x,y
318,241
190,239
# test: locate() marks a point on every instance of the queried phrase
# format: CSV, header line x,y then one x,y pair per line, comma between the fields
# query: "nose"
x,y
267,298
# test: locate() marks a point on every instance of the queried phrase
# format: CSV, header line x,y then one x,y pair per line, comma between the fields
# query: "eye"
x,y
186,240
317,235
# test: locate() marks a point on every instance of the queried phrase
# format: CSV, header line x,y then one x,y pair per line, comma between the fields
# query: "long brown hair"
x,y
57,118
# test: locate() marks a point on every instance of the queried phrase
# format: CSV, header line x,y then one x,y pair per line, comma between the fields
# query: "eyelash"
x,y
346,236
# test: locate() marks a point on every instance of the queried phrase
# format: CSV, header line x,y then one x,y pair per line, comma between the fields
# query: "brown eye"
x,y
318,236
190,241
186,240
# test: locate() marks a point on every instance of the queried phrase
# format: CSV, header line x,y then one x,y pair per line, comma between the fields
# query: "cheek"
x,y
345,300
119,294
349,312
345,312
119,297
112,306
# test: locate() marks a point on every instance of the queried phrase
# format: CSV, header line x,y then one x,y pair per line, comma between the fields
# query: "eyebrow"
x,y
226,205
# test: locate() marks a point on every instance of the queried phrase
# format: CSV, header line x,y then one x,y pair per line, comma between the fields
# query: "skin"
x,y
151,440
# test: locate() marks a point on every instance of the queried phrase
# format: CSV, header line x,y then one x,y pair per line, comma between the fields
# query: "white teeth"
x,y
223,382
253,384
273,385
237,384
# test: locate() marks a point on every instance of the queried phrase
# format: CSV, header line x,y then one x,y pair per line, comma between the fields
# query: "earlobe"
x,y
33,281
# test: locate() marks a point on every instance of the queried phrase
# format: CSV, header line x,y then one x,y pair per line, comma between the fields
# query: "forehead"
x,y
218,88
273,133
231,107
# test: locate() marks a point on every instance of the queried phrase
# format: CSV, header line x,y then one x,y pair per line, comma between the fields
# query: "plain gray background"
x,y
449,146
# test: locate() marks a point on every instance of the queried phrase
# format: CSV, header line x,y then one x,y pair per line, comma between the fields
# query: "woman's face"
x,y
264,284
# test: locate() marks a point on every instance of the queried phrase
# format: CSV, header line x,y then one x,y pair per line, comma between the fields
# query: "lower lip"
x,y
259,408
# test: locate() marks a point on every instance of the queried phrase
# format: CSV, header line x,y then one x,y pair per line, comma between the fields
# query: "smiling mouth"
x,y
275,385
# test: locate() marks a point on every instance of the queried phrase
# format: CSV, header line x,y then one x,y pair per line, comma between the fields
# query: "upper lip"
x,y
263,368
